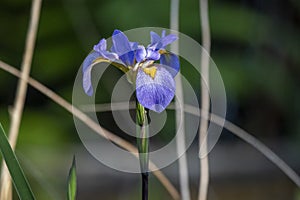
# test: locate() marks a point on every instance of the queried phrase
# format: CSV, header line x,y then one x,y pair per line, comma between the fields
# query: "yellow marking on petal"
x,y
162,51
151,71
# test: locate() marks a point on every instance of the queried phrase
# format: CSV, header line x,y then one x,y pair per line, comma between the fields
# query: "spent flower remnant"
x,y
154,82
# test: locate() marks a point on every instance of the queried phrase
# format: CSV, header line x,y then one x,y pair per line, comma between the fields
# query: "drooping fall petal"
x,y
87,82
171,61
89,60
155,89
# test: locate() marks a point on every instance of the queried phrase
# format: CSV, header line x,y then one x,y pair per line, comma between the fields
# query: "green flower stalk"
x,y
142,132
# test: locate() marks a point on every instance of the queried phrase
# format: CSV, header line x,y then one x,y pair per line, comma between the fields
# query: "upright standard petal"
x,y
155,38
155,90
123,47
171,62
121,43
166,41
158,42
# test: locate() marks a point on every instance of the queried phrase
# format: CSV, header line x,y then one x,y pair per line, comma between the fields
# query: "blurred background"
x,y
255,45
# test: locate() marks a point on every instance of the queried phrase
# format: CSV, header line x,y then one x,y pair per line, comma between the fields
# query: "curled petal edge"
x,y
87,82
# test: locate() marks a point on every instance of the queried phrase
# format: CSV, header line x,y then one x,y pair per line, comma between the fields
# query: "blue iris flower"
x,y
155,85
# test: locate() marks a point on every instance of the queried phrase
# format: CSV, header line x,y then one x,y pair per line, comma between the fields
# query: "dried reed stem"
x,y
179,102
16,115
205,104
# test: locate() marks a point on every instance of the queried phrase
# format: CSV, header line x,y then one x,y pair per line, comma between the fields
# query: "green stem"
x,y
142,131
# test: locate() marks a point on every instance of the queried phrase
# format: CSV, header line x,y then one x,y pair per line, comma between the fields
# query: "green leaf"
x,y
72,182
20,182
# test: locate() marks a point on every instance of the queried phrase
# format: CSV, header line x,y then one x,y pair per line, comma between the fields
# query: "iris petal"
x,y
140,53
152,54
89,60
101,49
123,47
171,63
166,41
121,43
87,82
155,94
127,58
101,46
155,38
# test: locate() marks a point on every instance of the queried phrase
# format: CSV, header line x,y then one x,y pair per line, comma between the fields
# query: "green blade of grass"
x,y
72,181
19,180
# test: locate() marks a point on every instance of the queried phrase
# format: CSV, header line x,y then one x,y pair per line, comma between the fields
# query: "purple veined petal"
x,y
123,48
166,41
89,60
87,82
158,42
86,70
127,58
152,54
121,44
140,53
155,38
171,62
122,59
101,49
101,46
155,94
